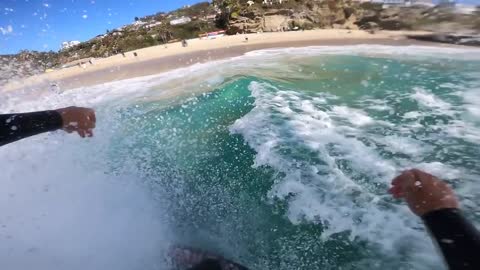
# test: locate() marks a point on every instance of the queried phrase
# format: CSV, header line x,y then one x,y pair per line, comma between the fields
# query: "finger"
x,y
81,133
69,129
402,178
397,180
91,119
403,184
424,179
396,192
93,116
400,195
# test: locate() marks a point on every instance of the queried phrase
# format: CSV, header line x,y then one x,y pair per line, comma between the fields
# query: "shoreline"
x,y
159,59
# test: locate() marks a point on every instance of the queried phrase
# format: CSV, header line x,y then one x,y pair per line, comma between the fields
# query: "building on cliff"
x,y
406,3
179,21
69,44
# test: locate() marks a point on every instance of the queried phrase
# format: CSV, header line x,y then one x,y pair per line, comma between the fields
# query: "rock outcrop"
x,y
469,40
290,16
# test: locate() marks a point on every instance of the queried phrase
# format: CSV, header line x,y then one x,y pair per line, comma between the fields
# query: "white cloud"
x,y
7,30
85,16
9,9
46,5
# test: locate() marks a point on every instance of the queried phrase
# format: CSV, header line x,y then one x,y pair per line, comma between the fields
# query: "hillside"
x,y
25,63
244,16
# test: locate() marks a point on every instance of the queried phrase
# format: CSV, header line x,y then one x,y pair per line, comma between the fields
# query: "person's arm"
x,y
14,127
456,237
434,201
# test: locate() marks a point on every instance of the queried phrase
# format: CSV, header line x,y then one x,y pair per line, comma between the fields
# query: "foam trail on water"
x,y
430,100
329,187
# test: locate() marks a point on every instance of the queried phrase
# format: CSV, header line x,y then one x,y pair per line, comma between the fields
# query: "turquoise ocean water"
x,y
279,159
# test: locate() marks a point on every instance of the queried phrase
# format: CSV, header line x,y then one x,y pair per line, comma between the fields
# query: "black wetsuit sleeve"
x,y
457,238
14,127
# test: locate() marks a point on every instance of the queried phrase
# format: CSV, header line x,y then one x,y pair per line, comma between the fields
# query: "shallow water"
x,y
279,159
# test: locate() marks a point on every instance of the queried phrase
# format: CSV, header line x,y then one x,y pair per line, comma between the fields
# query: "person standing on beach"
x,y
17,126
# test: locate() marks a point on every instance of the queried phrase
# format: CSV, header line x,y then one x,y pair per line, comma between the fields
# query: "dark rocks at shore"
x,y
467,40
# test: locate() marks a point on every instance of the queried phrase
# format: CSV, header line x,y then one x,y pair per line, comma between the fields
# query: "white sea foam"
x,y
380,107
429,100
354,116
405,145
62,210
472,99
437,168
412,115
414,52
327,193
463,130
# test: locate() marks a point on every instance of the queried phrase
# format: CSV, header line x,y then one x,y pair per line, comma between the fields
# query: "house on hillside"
x,y
389,3
151,25
180,21
99,37
211,17
465,9
120,28
423,2
212,35
271,2
400,3
250,3
116,32
448,3
69,44
139,23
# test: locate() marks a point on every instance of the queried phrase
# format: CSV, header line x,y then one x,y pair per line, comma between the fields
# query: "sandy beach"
x,y
157,59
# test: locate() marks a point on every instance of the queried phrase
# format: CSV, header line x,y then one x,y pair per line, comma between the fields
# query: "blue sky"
x,y
44,24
